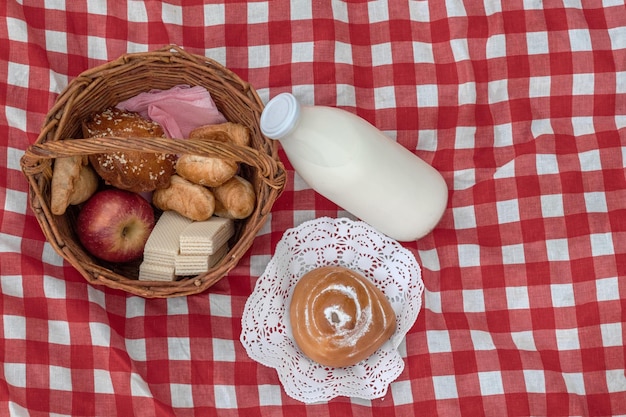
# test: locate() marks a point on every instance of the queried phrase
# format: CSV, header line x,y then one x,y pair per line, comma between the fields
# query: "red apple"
x,y
114,225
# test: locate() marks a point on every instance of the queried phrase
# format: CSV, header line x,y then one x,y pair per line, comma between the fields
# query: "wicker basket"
x,y
121,79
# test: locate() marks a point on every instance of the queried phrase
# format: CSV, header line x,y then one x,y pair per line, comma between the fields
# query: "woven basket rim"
x,y
235,95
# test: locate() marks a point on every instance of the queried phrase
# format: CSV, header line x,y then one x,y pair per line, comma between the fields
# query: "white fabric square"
x,y
595,202
13,158
343,53
455,8
270,395
258,12
177,306
492,7
102,383
580,40
497,91
473,301
137,11
505,171
55,4
496,45
432,301
583,84
464,217
539,86
11,285
377,11
482,340
428,140
427,95
562,295
136,349
567,339
469,255
513,254
137,47
607,289
214,14
423,53
385,97
16,117
508,211
418,11
401,392
552,205
557,249
138,386
16,201
491,383
60,378
615,380
609,3
171,14
533,4
618,37
258,263
220,305
517,298
438,341
503,135
225,396
50,256
54,288
430,259
17,29
15,374
340,9
97,7
223,350
59,332
346,95
464,179
537,43
57,82
583,126
302,52
135,307
573,4
535,380
465,137
381,54
100,334
10,243
524,340
541,127
14,327
460,49
611,334
445,387
574,383
546,163
178,348
97,48
467,93
299,10
182,395
259,56
620,81
18,74
601,244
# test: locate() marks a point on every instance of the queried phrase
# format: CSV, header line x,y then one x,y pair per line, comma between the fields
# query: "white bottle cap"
x,y
280,116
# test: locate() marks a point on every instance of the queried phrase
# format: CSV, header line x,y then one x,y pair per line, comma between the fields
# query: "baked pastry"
x,y
223,132
339,317
129,170
186,198
73,182
205,170
235,199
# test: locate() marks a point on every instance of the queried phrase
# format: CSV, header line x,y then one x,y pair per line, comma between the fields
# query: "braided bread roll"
x,y
339,317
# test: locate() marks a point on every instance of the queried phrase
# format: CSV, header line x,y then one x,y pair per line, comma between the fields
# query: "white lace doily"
x,y
266,329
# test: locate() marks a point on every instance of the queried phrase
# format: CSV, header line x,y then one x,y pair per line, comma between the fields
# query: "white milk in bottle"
x,y
353,164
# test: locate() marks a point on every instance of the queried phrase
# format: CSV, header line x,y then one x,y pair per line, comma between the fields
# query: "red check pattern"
x,y
520,104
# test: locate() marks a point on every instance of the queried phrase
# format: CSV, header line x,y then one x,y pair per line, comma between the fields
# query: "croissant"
x,y
339,317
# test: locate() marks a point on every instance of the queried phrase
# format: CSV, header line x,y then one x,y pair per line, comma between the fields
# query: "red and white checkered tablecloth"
x,y
520,104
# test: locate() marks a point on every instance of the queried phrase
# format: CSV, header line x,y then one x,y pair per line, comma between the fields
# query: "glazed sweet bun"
x,y
130,170
339,317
